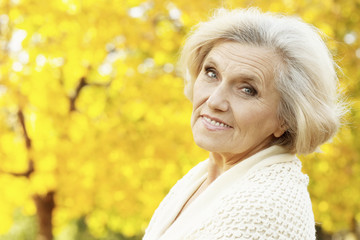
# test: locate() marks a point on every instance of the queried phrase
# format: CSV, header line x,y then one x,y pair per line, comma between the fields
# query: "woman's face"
x,y
235,101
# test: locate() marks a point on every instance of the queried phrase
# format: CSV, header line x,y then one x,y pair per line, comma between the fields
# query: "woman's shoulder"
x,y
272,201
283,173
280,183
277,182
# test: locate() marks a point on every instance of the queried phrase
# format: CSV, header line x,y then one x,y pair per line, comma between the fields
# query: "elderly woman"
x,y
263,89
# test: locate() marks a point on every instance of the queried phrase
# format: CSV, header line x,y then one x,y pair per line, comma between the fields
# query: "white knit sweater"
x,y
262,197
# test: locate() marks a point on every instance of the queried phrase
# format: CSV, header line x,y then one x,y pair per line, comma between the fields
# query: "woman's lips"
x,y
214,123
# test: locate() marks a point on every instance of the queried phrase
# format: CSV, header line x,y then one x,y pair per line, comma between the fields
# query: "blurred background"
x,y
95,127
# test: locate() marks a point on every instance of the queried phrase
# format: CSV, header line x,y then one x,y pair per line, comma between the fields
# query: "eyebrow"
x,y
210,60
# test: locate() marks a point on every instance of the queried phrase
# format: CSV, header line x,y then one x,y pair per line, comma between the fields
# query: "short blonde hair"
x,y
306,79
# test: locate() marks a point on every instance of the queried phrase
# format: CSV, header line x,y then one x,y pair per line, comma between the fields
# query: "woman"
x,y
263,89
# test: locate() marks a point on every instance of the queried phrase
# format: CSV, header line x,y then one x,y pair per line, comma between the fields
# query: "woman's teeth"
x,y
215,123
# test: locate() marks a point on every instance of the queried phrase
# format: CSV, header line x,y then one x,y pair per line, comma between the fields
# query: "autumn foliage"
x,y
94,123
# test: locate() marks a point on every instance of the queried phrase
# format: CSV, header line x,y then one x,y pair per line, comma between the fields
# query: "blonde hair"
x,y
306,78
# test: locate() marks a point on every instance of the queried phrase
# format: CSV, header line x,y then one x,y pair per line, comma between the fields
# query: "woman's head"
x,y
304,73
235,100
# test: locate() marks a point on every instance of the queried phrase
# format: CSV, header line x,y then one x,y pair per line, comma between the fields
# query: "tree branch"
x,y
28,144
22,123
26,174
73,99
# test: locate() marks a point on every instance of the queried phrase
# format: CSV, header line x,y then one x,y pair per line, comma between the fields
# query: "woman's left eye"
x,y
210,73
249,91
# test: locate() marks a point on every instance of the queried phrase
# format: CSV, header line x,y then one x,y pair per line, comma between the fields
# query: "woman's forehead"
x,y
238,51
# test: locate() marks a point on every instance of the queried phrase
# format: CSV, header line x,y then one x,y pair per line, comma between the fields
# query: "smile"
x,y
215,123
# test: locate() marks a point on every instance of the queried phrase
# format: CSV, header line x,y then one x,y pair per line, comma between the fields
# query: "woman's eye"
x,y
210,73
249,91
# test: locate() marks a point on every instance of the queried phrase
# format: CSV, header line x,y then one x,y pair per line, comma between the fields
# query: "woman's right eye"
x,y
210,72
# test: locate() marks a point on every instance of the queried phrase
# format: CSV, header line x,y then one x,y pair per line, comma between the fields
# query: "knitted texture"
x,y
269,203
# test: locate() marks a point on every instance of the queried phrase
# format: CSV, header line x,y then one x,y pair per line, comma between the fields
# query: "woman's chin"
x,y
210,145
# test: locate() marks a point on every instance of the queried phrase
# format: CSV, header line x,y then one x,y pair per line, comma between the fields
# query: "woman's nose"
x,y
218,99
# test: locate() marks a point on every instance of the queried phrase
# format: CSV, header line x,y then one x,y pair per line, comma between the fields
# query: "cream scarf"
x,y
162,225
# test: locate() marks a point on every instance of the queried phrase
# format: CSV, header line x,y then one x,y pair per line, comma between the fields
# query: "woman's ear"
x,y
281,129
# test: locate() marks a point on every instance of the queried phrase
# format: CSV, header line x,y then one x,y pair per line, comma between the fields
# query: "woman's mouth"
x,y
215,122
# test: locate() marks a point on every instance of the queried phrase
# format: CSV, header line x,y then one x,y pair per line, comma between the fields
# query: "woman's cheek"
x,y
198,97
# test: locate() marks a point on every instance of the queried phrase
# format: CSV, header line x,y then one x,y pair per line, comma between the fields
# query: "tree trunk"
x,y
45,206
